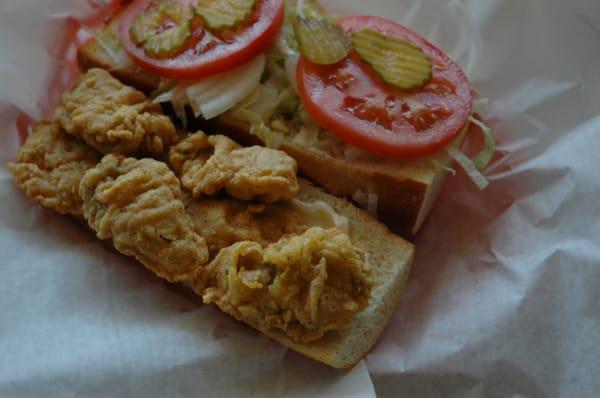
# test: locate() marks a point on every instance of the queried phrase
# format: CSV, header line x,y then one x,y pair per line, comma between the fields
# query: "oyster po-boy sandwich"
x,y
364,107
370,110
233,224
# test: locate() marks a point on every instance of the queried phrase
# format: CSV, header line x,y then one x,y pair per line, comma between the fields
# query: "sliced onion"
x,y
217,94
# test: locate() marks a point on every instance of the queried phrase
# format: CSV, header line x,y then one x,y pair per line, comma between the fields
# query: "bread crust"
x,y
91,55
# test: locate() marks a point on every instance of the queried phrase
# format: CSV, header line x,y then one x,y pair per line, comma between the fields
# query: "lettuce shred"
x,y
484,157
275,102
479,162
468,166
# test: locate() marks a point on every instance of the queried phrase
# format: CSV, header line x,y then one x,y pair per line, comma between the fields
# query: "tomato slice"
x,y
204,54
356,105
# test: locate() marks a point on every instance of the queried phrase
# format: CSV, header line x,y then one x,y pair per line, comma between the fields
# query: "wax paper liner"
x,y
503,300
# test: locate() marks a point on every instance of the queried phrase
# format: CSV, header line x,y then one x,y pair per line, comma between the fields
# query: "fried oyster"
x,y
137,204
303,285
114,118
50,166
225,221
210,164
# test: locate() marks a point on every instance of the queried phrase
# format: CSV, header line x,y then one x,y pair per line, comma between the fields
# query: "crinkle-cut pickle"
x,y
219,15
398,62
147,28
320,41
313,9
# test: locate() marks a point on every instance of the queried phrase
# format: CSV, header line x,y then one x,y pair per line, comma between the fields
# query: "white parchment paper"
x,y
504,299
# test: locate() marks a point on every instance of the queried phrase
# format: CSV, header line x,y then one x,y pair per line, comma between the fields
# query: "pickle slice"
x,y
169,42
142,27
163,29
311,9
321,41
398,62
219,15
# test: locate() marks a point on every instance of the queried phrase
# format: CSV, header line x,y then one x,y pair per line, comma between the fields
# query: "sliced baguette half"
x,y
404,191
391,258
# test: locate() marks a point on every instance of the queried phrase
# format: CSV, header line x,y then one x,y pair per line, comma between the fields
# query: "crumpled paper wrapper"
x,y
504,296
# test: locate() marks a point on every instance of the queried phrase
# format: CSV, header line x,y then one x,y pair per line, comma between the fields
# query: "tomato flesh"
x,y
356,105
207,54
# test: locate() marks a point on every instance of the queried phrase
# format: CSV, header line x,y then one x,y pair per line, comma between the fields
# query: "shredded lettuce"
x,y
276,94
480,106
473,167
286,104
260,110
440,164
265,101
275,102
258,127
243,112
483,158
468,166
275,71
300,8
291,66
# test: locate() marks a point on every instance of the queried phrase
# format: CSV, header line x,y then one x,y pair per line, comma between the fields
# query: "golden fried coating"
x,y
137,204
303,285
223,222
114,118
209,164
50,166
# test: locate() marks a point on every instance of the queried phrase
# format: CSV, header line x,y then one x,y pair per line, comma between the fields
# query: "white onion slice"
x,y
215,95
